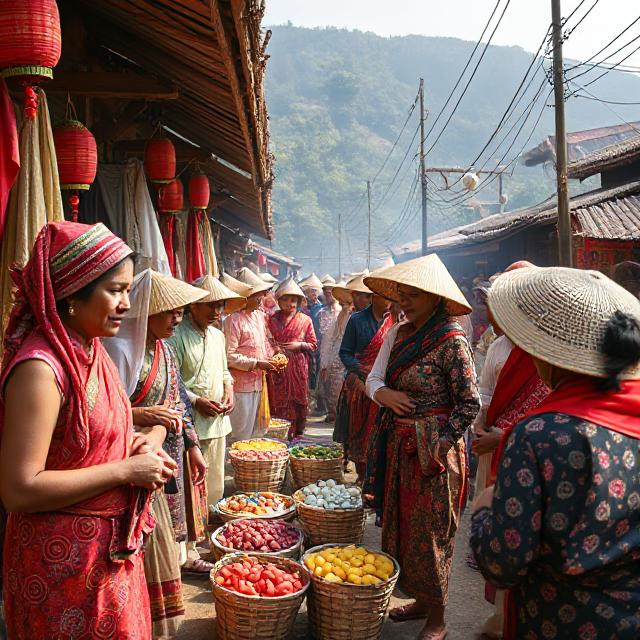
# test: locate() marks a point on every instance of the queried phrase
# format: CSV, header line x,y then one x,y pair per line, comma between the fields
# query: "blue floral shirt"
x,y
563,530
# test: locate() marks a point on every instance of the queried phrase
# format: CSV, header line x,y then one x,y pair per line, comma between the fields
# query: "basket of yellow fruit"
x,y
259,464
279,428
350,591
330,511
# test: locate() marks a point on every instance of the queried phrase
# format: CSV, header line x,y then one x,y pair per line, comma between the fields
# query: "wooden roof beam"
x,y
111,84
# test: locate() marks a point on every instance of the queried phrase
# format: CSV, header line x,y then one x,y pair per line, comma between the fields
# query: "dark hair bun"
x,y
621,347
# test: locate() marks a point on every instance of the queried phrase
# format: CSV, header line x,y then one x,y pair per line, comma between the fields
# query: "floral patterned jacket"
x,y
564,530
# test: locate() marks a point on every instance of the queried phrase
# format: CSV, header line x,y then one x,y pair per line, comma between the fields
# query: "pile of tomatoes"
x,y
251,577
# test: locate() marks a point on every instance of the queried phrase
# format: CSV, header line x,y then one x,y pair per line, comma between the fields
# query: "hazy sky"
x,y
524,24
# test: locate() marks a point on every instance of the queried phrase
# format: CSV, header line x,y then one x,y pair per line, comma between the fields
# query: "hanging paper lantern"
x,y
160,160
470,181
199,191
77,156
171,197
30,44
262,260
504,198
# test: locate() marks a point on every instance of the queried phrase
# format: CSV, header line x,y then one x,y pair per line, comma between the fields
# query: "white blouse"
x,y
376,379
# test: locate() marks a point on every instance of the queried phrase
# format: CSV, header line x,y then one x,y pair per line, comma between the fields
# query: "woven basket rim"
x,y
297,502
228,550
320,547
279,442
233,557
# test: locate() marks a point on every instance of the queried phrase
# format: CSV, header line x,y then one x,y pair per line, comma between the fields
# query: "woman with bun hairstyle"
x,y
561,526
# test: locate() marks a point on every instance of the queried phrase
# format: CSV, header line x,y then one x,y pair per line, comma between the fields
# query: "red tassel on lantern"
x,y
199,191
171,197
77,156
160,160
30,44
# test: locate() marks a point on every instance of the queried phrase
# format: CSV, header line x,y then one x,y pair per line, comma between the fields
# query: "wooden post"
x,y
369,225
423,172
339,246
565,253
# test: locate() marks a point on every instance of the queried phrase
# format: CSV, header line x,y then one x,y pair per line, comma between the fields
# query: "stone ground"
x,y
466,610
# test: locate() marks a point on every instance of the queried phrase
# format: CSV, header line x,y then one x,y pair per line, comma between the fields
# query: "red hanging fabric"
x,y
9,150
196,266
167,229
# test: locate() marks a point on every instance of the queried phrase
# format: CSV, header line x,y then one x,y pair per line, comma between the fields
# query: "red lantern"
x,y
77,156
199,191
160,160
30,44
262,260
171,197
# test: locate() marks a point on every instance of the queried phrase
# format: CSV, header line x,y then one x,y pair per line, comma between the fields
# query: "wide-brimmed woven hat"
x,y
289,287
327,281
235,285
250,279
312,281
267,277
427,274
341,293
559,315
217,292
355,284
169,293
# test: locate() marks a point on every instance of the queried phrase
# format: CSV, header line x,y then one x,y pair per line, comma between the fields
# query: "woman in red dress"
x,y
293,333
74,480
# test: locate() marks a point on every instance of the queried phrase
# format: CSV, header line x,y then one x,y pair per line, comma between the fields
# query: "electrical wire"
x,y
615,102
587,12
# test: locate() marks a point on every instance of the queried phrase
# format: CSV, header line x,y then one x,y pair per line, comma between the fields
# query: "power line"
x,y
615,102
587,12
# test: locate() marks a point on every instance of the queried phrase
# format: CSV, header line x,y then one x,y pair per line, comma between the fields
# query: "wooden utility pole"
x,y
339,246
565,252
423,173
369,225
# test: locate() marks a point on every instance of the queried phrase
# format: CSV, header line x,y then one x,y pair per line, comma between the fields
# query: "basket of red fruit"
x,y
250,535
257,597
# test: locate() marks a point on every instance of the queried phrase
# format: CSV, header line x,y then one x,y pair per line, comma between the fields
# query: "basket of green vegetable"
x,y
310,463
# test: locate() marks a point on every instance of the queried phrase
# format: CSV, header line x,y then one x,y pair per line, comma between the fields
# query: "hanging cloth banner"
x,y
9,150
209,246
167,229
196,266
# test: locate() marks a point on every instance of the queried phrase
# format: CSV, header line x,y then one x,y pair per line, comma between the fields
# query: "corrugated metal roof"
x,y
603,213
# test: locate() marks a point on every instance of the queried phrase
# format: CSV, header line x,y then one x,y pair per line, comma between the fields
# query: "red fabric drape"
x,y
167,229
9,150
196,266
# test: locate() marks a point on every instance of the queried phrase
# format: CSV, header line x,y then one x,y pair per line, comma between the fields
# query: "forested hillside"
x,y
337,101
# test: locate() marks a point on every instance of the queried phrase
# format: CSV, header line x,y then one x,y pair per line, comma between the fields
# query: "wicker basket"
x,y
240,617
279,430
324,526
307,471
294,552
287,515
338,610
259,475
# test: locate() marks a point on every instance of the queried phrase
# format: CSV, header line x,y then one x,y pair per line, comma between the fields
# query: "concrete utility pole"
x,y
339,246
565,248
369,225
423,173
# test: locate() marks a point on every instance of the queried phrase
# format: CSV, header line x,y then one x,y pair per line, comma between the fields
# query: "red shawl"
x,y
519,390
290,386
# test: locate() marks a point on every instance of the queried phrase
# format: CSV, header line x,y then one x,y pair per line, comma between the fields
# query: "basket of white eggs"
x,y
330,511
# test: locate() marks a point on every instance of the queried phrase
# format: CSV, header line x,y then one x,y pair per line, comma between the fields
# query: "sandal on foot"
x,y
405,613
199,566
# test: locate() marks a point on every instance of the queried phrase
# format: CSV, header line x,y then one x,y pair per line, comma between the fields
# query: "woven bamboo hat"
x,y
252,280
427,274
169,293
267,277
341,293
328,281
289,287
217,292
235,285
559,315
312,281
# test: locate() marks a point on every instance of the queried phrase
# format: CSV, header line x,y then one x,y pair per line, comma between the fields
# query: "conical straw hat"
x,y
341,293
427,274
257,284
219,293
289,288
169,293
312,281
235,285
559,315
327,281
267,277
